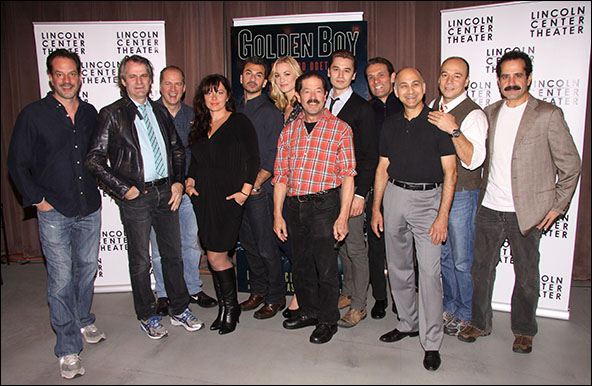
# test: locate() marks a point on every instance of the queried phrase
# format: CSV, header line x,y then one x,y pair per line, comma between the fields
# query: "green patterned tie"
x,y
159,165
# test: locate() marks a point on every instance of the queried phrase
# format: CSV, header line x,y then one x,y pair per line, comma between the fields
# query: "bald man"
x,y
415,177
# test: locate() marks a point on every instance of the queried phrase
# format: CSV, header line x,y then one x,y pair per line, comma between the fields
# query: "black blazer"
x,y
359,115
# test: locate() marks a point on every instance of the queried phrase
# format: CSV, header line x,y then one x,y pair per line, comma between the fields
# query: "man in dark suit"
x,y
351,108
529,177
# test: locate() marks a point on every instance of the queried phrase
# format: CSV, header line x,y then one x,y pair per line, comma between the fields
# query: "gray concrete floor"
x,y
263,352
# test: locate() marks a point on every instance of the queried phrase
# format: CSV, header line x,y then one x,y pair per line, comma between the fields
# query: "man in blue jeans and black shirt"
x,y
46,162
172,89
256,234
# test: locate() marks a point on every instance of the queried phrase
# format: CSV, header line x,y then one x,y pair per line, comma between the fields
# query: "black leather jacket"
x,y
116,140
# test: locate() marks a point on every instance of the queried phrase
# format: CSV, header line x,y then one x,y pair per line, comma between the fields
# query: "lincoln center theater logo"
x,y
557,22
493,55
470,29
71,40
137,42
559,91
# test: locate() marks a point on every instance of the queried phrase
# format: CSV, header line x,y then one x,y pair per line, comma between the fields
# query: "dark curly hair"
x,y
203,119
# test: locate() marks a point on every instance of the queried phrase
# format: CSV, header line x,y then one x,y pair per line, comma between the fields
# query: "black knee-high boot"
x,y
221,307
232,309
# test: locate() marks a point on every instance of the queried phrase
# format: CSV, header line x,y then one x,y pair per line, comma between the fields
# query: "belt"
x,y
162,181
318,196
409,186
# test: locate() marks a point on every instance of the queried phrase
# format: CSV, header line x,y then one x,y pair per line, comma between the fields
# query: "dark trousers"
x,y
314,258
491,229
376,255
148,210
262,252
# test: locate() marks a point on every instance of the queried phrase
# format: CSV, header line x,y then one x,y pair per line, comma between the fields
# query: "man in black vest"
x,y
456,114
348,106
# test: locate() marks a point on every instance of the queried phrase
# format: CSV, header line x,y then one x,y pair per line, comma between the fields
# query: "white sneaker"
x,y
92,334
187,320
70,366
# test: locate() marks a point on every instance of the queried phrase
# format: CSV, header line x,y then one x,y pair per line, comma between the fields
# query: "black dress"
x,y
220,166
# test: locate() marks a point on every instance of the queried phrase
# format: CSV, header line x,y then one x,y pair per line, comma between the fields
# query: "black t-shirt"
x,y
414,148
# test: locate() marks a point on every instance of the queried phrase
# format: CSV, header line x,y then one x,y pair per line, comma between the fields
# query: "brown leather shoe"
x,y
471,334
269,310
351,318
522,344
252,302
343,301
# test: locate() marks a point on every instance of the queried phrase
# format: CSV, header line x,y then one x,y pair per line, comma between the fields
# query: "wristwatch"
x,y
256,190
455,133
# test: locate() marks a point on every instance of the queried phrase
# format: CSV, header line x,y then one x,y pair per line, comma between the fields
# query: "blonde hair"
x,y
277,96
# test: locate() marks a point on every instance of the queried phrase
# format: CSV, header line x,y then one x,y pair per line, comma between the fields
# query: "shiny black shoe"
x,y
162,306
431,360
323,333
396,335
299,321
288,313
379,309
203,300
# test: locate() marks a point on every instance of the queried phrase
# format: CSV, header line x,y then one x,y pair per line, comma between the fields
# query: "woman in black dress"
x,y
224,164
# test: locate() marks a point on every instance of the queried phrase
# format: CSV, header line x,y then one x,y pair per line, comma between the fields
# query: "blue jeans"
x,y
151,209
492,228
189,248
261,249
457,255
71,249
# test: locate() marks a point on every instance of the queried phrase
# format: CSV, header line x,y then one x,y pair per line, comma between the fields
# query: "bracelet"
x,y
244,193
189,186
256,190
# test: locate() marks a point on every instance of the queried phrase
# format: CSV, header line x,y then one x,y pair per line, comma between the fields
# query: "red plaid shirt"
x,y
310,163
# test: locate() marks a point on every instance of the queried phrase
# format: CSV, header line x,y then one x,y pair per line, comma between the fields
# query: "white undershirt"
x,y
498,195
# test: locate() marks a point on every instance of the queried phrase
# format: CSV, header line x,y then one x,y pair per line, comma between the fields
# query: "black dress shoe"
x,y
396,335
162,306
431,360
288,313
379,309
323,333
299,321
203,300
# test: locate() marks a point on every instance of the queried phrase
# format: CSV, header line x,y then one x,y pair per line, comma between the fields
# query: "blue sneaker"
x,y
153,328
187,320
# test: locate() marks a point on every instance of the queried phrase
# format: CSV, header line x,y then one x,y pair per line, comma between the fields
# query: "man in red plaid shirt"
x,y
315,158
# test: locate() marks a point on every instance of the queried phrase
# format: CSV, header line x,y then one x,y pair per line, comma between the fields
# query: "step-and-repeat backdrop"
x,y
556,35
101,46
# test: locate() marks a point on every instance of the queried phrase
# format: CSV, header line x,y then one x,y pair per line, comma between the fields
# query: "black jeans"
x,y
491,229
261,249
314,258
148,210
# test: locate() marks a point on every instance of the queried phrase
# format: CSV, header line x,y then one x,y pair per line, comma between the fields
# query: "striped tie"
x,y
158,164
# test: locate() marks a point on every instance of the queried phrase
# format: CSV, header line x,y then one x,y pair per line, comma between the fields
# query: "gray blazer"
x,y
545,162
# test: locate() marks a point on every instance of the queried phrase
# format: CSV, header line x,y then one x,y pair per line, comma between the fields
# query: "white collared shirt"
x,y
343,98
474,127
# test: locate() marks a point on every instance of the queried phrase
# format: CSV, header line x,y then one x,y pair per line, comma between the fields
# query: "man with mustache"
x,y
138,155
529,178
416,175
315,167
256,233
46,162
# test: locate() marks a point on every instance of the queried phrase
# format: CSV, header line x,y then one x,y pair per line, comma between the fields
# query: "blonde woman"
x,y
282,78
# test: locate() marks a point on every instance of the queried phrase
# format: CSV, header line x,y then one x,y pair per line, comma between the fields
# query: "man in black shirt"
x,y
416,175
256,233
46,163
380,75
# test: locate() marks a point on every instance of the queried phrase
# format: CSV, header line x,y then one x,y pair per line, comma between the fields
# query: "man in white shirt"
x,y
456,114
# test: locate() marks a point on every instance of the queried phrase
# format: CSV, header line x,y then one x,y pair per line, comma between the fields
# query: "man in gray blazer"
x,y
529,178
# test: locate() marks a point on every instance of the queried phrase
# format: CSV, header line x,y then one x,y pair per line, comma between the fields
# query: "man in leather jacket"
x,y
146,172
